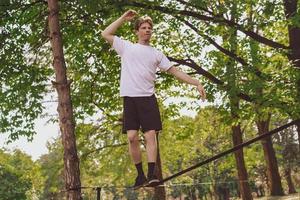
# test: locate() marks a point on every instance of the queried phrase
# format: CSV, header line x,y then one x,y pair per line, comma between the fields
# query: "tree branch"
x,y
231,54
214,18
190,63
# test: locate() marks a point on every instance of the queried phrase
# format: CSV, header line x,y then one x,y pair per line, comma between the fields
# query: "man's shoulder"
x,y
122,39
156,50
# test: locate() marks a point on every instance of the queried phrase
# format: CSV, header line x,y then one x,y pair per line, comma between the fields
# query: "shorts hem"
x,y
156,130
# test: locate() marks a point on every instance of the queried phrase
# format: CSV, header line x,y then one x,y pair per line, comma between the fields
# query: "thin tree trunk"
x,y
234,108
240,164
269,153
193,194
159,192
65,110
213,185
271,161
288,177
298,132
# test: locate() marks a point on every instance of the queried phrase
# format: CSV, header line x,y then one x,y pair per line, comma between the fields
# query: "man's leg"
x,y
150,122
136,155
134,146
151,148
151,145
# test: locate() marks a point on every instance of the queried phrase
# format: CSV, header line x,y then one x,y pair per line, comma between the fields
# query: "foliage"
x,y
20,176
198,34
52,171
24,70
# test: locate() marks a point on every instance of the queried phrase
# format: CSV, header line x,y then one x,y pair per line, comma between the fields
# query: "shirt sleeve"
x,y
164,63
120,45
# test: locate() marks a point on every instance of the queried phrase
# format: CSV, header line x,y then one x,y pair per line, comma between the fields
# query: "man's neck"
x,y
144,42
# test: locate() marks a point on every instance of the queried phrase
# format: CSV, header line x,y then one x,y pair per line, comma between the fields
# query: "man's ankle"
x,y
139,169
151,169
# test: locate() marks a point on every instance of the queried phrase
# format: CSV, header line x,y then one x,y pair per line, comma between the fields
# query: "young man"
x,y
139,62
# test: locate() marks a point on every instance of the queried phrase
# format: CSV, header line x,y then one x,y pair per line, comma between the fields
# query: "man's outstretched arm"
x,y
108,33
187,79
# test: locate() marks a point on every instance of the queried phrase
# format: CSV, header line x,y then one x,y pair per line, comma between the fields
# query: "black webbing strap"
x,y
235,148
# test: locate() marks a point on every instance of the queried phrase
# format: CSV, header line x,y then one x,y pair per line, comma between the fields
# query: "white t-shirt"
x,y
138,67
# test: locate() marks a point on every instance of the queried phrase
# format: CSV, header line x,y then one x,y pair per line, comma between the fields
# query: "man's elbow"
x,y
103,34
172,70
108,37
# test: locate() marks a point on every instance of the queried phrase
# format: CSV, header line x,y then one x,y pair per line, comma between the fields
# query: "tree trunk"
x,y
288,177
213,185
271,161
233,82
240,164
298,132
193,194
159,192
269,153
290,8
226,194
294,32
65,110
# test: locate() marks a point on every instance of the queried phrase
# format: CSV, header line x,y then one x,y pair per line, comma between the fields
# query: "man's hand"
x,y
187,79
129,15
201,91
108,33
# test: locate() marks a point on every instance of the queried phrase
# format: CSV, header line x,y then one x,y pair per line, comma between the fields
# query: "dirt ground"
x,y
287,197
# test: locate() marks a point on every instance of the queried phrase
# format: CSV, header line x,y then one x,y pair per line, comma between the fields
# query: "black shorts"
x,y
141,112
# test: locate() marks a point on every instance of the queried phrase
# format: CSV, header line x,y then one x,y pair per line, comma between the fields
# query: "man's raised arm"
x,y
108,33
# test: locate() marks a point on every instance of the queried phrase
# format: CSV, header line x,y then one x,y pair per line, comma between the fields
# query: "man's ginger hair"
x,y
141,20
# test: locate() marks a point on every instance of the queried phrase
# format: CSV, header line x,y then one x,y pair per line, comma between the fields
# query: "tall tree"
x,y
263,115
274,178
65,110
289,160
234,105
292,14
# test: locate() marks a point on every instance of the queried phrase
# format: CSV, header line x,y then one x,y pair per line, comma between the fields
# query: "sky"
x,y
46,131
36,147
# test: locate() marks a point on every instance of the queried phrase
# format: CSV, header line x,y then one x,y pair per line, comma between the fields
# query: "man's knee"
x,y
150,136
132,136
133,140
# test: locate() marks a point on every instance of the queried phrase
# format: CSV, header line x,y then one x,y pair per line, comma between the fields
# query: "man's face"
x,y
144,32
